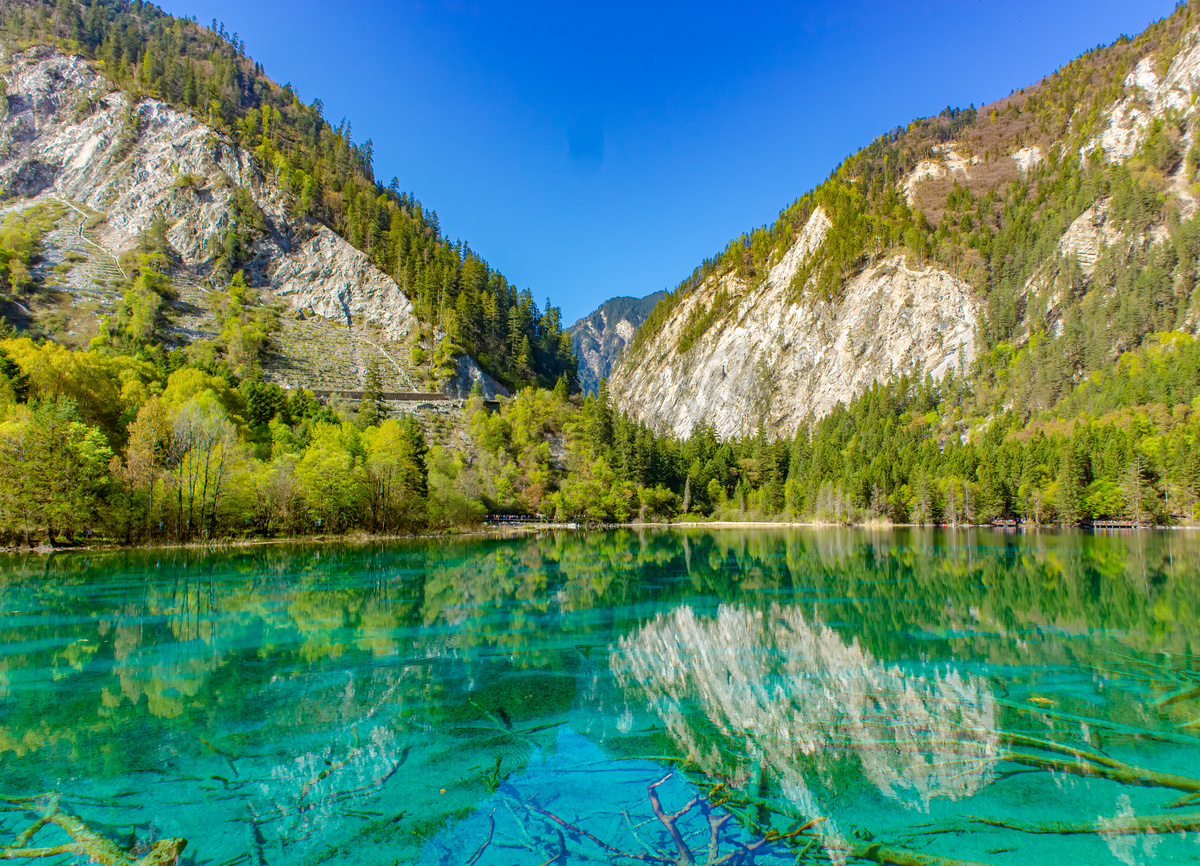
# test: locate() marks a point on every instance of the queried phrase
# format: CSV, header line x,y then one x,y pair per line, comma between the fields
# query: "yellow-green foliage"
x,y
246,324
330,475
53,467
138,315
21,234
187,383
514,453
104,388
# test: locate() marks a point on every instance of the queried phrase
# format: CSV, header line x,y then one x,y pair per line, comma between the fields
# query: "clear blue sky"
x,y
592,149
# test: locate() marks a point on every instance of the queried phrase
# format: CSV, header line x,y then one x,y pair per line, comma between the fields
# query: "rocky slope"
x,y
599,337
738,351
772,361
120,163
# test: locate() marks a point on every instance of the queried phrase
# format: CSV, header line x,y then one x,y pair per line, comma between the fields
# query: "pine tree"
x,y
373,408
1134,485
1071,485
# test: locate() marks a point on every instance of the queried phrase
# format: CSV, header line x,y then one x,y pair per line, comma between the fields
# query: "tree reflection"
x,y
829,655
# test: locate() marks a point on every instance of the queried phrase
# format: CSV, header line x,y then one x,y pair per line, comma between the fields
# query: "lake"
x,y
706,696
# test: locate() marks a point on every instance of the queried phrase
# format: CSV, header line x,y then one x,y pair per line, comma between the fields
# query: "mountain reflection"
x,y
746,693
309,695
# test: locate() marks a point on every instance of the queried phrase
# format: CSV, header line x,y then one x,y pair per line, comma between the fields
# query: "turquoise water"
x,y
910,697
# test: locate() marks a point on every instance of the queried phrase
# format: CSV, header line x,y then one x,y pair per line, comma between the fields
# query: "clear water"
x,y
464,702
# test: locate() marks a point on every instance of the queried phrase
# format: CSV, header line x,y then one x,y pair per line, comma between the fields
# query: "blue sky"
x,y
592,149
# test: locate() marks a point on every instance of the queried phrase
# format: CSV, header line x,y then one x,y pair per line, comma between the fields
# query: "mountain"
x,y
986,315
599,337
147,145
1053,224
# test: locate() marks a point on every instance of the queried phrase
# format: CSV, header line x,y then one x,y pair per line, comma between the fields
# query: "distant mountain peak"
x,y
600,337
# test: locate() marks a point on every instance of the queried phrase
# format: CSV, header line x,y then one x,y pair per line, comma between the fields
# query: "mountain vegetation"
x,y
600,337
1083,402
994,226
329,177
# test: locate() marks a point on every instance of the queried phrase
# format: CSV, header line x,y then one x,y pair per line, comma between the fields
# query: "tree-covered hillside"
x,y
1083,403
993,226
327,176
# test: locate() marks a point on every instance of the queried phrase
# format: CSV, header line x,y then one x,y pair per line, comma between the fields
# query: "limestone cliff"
x,y
766,340
120,163
773,360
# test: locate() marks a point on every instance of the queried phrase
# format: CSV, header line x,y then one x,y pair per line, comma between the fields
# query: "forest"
x,y
1082,405
101,445
328,177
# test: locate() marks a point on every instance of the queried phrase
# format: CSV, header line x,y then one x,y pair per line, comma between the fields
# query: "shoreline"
x,y
260,541
520,529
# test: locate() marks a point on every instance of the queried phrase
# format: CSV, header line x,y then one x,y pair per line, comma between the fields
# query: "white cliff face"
x,y
776,356
1028,157
68,135
337,281
775,361
946,162
1149,96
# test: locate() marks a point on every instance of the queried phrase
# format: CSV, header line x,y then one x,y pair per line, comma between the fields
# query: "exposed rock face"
x,y
946,163
776,361
337,281
1149,96
67,134
1028,157
1088,236
775,354
598,338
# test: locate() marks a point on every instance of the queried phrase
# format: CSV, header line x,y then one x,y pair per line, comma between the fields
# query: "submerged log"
x,y
488,841
1102,724
1133,825
1184,694
889,856
1108,768
85,842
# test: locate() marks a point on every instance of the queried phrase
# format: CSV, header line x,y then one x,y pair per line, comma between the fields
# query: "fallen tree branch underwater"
x,y
85,842
1134,825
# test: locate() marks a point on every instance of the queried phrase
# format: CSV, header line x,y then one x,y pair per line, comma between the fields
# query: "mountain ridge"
x,y
599,337
321,178
938,196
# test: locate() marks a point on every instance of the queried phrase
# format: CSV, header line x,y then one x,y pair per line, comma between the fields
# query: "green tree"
x,y
53,470
373,408
330,476
396,474
147,450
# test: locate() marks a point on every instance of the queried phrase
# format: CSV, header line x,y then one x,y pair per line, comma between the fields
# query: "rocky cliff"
x,y
599,337
772,360
768,340
115,164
